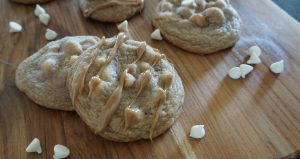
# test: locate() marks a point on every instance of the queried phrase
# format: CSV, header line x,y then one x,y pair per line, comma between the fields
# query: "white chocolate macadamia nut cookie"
x,y
42,76
125,90
198,26
110,10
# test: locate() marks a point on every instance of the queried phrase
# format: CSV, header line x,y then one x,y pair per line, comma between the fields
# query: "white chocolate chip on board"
x,y
50,34
277,67
123,27
44,18
34,146
61,151
39,10
14,27
235,73
156,35
245,70
197,132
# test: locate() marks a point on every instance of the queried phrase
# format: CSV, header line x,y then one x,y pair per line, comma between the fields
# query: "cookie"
x,y
110,10
30,1
125,90
42,76
198,26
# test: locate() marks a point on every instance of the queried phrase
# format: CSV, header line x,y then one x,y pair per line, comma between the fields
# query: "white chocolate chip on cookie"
x,y
48,66
199,19
72,47
214,15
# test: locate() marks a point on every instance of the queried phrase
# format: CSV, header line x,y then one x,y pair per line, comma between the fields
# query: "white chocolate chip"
x,y
61,151
188,3
44,18
50,34
156,35
235,73
129,80
197,131
48,66
14,27
254,49
245,70
123,26
39,10
277,67
254,59
34,146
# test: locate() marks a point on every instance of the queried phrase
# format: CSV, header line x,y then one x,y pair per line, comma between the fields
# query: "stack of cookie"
x,y
124,90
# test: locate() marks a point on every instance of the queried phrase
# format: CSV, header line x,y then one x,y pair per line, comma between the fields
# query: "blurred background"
x,y
290,6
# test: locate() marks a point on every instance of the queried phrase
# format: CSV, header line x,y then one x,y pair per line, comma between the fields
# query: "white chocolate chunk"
x,y
44,18
197,131
50,34
235,73
123,27
254,49
129,80
61,151
34,146
156,35
254,59
14,27
277,67
188,3
39,10
245,70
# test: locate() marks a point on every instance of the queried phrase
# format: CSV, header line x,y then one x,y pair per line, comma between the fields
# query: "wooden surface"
x,y
256,118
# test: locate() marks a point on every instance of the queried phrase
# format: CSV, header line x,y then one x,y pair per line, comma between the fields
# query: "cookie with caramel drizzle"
x,y
125,90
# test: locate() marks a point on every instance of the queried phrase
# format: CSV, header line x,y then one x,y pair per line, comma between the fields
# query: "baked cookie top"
x,y
111,10
42,76
125,90
207,24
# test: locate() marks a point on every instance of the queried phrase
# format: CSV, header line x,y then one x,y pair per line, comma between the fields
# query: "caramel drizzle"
x,y
145,80
163,96
112,104
78,88
111,3
120,39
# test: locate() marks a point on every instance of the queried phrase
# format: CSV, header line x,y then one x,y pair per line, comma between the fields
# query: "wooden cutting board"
x,y
257,117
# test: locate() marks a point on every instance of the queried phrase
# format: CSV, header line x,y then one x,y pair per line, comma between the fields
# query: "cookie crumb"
x,y
34,146
156,35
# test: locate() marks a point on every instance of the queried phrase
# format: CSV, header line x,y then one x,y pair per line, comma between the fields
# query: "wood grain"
x,y
257,117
